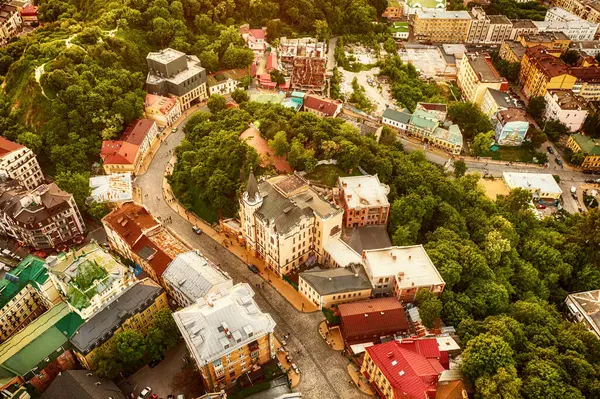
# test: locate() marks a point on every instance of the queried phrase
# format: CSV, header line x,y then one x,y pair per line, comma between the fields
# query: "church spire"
x,y
252,188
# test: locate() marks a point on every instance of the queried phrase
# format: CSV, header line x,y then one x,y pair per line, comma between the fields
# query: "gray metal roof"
x,y
501,98
366,237
210,327
338,280
101,327
79,384
193,275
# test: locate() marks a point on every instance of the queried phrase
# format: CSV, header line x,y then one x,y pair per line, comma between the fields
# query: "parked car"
x,y
550,150
590,181
253,268
540,206
154,363
196,230
173,130
145,393
559,161
153,396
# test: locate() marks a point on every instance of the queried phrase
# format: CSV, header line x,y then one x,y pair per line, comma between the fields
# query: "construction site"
x,y
305,60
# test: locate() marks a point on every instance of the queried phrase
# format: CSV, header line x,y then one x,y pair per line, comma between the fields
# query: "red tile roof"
x,y
129,221
118,152
379,316
271,62
167,102
407,368
257,33
328,107
137,131
158,261
29,11
7,146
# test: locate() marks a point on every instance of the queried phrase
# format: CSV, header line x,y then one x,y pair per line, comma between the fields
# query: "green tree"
x,y
216,103
107,364
279,144
430,307
322,30
537,137
482,142
163,321
469,118
77,184
485,355
505,384
154,344
536,107
240,96
130,348
460,168
31,141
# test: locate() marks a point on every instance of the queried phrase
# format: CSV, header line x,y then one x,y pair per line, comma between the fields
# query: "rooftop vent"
x,y
390,355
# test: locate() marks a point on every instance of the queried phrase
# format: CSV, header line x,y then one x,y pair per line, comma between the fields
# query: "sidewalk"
x,y
286,290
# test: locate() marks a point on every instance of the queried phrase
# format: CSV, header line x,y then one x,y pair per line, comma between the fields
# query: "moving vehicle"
x,y
173,130
253,268
145,393
196,230
550,150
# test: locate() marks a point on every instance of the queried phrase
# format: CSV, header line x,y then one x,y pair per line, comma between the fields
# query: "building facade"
x,y
575,30
225,82
584,9
171,72
163,110
10,22
511,127
512,51
20,163
541,71
488,28
328,287
43,218
590,148
396,119
364,199
542,186
522,27
227,335
556,43
566,107
321,106
476,74
286,223
441,26
495,101
128,154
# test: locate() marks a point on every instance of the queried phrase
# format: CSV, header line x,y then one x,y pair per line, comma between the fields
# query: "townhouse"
x,y
163,110
364,199
566,107
488,28
128,153
328,287
19,163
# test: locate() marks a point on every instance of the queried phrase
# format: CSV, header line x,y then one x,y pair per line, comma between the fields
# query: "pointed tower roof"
x,y
252,187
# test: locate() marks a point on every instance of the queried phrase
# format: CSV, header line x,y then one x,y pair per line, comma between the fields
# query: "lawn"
x,y
511,154
328,174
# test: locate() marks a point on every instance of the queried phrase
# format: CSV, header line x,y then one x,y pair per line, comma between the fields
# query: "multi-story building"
x,y
590,148
556,43
566,107
40,351
131,309
404,369
402,272
127,154
575,30
488,28
396,119
135,234
512,51
400,30
255,39
227,335
88,278
588,82
495,101
163,110
371,319
172,72
522,27
511,127
414,6
542,186
43,218
560,15
191,277
441,26
19,163
321,106
285,222
394,10
438,109
586,47
305,60
364,199
476,74
328,287
584,9
584,307
225,82
422,124
450,140
541,71
29,14
10,22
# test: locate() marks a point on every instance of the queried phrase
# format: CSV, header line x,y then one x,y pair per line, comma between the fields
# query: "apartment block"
x,y
128,153
25,293
134,233
512,51
364,199
163,110
19,163
541,71
88,279
522,27
511,127
590,148
488,28
442,26
586,47
402,272
10,22
131,309
566,107
575,30
477,74
556,43
172,72
42,218
227,335
587,85
286,222
584,9
191,277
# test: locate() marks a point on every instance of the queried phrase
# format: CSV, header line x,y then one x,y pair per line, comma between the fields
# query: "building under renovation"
x,y
305,60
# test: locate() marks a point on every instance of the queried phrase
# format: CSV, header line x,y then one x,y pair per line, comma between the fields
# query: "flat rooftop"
x,y
364,191
165,56
544,182
482,65
567,100
441,14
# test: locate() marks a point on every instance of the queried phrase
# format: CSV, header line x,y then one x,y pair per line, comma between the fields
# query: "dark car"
x,y
550,150
558,161
196,230
154,363
590,181
252,268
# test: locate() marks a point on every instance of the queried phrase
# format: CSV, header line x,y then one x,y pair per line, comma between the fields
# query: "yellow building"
x,y
541,71
589,147
133,309
588,81
556,43
477,74
227,335
393,10
512,51
441,26
327,287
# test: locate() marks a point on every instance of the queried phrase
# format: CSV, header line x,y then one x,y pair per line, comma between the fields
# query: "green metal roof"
x,y
399,27
29,270
398,116
441,4
424,119
589,145
452,135
30,346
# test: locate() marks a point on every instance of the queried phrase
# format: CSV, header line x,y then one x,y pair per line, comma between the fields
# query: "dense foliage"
x,y
506,272
517,10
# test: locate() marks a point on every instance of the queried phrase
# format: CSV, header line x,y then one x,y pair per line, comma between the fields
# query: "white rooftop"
x,y
165,55
342,253
447,343
544,182
210,327
410,264
194,275
364,191
440,14
116,187
562,13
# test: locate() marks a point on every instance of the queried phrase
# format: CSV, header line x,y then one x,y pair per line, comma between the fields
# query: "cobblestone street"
x,y
323,372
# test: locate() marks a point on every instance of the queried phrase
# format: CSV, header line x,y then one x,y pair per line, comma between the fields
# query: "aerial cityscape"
x,y
394,199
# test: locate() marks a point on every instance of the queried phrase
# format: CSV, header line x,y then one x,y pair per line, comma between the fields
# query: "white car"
x,y
145,393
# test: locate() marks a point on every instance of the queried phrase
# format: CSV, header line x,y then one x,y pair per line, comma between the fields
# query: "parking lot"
x,y
377,93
